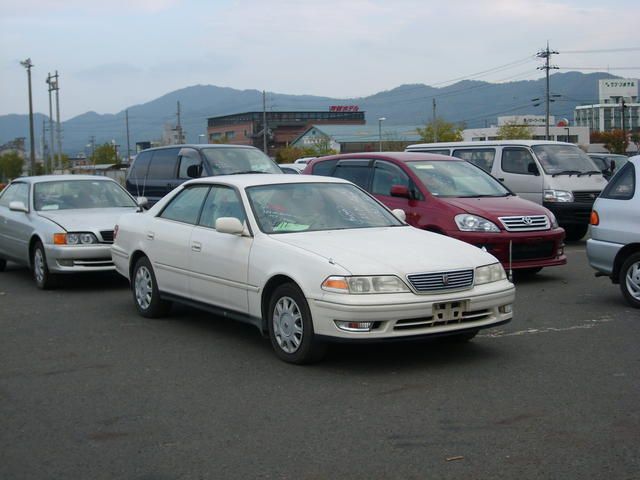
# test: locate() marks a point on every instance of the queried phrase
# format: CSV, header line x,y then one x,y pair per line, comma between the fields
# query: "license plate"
x,y
450,311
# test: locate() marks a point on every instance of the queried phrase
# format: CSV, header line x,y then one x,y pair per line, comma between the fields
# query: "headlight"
x,y
557,196
473,223
489,273
360,285
80,238
553,219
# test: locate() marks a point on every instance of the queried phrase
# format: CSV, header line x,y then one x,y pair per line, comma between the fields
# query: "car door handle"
x,y
501,179
196,246
151,235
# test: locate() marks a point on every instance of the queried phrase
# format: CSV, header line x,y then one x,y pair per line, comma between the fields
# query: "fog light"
x,y
65,263
505,308
354,326
561,250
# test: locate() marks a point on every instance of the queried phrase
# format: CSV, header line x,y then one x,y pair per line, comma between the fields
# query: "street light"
x,y
32,154
380,120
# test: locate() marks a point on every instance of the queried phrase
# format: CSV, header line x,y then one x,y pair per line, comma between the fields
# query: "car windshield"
x,y
457,179
74,194
226,161
560,159
297,207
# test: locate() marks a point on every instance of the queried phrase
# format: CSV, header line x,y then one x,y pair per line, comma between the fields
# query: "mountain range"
x,y
473,103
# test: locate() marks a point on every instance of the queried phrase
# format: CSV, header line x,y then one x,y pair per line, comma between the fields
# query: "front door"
x,y
519,173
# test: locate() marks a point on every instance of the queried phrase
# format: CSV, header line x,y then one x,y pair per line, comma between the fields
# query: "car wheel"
x,y
291,328
145,291
44,279
3,264
630,280
575,232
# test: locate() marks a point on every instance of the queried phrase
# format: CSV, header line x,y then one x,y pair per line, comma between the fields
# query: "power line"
x,y
606,50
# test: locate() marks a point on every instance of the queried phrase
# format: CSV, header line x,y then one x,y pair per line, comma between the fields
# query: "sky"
x,y
114,54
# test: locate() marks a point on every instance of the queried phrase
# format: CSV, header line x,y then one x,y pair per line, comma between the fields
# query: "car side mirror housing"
x,y
399,214
18,206
400,191
142,202
533,169
229,225
194,171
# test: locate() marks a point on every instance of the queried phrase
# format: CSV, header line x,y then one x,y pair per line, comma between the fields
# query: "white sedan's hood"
x,y
391,250
86,220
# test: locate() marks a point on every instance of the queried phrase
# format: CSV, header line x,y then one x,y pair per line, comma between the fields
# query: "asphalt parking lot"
x,y
90,390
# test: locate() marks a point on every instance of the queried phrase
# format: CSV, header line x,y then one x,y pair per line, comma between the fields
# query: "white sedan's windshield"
x,y
296,207
72,194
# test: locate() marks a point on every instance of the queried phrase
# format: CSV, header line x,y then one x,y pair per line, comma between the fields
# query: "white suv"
x,y
614,246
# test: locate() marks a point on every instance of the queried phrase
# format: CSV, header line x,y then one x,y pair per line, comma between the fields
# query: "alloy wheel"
x,y
143,285
287,324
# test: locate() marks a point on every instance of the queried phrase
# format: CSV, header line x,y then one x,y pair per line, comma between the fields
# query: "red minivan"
x,y
453,197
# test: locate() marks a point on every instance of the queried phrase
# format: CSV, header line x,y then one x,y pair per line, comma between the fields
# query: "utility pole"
x,y
546,54
264,122
45,153
32,154
56,87
50,83
92,140
179,127
435,126
126,119
624,129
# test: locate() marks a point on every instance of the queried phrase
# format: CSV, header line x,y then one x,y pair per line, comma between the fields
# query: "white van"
x,y
557,175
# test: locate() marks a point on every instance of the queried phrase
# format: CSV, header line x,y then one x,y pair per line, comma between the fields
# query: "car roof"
x,y
487,143
399,156
253,179
55,178
198,146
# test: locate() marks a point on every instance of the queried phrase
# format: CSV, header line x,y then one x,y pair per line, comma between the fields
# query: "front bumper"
x,y
79,258
403,316
602,255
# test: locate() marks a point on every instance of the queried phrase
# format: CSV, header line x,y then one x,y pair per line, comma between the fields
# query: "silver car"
x,y
614,246
61,223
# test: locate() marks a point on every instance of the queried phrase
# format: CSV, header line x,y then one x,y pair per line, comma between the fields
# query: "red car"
x,y
450,196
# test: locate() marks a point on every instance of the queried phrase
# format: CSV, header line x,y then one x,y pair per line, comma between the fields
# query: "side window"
x,y
480,157
140,166
385,175
221,202
437,151
516,160
187,159
356,171
186,206
324,168
16,192
623,185
163,164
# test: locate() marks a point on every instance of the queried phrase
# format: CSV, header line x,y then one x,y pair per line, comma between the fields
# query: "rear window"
x,y
480,157
357,173
324,168
140,166
623,185
163,164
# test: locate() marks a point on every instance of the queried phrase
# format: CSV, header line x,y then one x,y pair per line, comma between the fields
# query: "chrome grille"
x,y
429,322
525,223
107,236
586,197
441,281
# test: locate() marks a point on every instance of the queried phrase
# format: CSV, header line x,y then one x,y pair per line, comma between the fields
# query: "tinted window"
x,y
324,168
623,185
516,160
221,202
186,206
438,151
16,192
163,164
480,157
140,165
354,171
385,175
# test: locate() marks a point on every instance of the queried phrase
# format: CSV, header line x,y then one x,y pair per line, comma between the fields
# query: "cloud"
x,y
34,8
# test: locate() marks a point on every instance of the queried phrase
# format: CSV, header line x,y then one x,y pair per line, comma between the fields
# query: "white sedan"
x,y
307,260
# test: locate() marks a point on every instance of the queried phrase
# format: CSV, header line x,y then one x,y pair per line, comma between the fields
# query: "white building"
x,y
606,115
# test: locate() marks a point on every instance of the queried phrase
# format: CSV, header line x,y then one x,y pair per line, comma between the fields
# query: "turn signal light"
x,y
59,238
595,218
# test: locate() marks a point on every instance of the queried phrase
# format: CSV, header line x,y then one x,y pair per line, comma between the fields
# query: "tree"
x,y
513,131
290,154
104,154
615,141
635,138
10,165
441,131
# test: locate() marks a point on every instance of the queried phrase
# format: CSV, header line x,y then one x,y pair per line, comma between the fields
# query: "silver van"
x,y
614,246
557,175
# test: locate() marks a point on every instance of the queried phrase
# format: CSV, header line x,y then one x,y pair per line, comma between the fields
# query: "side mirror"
x,y
17,206
194,171
142,201
229,225
400,191
533,169
612,167
399,214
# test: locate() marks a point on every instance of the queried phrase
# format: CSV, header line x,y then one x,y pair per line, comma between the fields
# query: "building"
x,y
561,131
282,127
615,96
359,138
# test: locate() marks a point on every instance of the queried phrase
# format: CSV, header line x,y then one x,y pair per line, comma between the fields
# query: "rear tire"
x,y
575,232
291,327
43,278
630,280
144,288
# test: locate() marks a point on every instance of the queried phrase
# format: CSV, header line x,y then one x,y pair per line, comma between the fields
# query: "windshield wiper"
x,y
567,172
244,171
590,172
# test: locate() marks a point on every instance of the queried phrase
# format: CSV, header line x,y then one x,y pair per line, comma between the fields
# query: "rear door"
x,y
357,171
162,175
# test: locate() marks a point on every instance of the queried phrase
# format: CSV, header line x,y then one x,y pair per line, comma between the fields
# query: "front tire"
x,y
291,327
144,288
43,278
3,264
630,280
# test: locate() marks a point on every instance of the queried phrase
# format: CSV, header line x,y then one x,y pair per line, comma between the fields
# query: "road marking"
x,y
534,331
